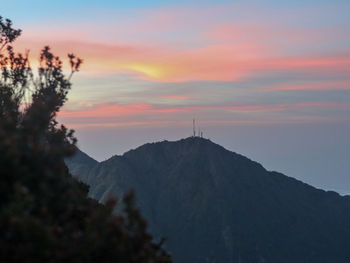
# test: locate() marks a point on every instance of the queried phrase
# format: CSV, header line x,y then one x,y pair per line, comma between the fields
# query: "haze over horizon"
x,y
270,80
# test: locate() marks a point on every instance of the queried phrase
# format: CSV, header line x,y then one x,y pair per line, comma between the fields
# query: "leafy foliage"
x,y
45,215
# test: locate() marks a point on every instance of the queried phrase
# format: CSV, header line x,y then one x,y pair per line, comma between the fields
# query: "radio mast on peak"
x,y
194,128
197,132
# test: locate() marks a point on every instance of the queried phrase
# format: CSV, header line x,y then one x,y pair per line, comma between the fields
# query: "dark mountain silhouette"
x,y
80,164
214,205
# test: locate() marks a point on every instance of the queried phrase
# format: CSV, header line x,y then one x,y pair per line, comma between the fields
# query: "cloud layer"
x,y
233,61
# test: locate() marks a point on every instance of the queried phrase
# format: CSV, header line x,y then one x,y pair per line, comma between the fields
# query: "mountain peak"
x,y
214,205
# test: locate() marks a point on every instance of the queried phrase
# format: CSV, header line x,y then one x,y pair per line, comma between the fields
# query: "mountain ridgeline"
x,y
214,205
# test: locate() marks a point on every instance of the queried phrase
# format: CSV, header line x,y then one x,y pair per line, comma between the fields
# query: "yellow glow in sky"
x,y
151,71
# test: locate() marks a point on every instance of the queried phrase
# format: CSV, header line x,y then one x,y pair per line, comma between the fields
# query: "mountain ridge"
x,y
219,206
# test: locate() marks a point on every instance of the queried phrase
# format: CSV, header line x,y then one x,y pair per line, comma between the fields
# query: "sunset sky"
x,y
268,79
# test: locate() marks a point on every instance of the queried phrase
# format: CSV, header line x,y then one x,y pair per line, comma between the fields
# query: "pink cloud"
x,y
115,110
213,51
211,63
114,115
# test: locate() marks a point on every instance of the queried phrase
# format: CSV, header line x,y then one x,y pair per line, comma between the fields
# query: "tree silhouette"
x,y
45,214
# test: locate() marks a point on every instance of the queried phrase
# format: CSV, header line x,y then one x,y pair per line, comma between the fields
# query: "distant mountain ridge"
x,y
214,205
81,163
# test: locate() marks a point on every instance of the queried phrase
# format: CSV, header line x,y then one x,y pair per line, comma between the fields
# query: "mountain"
x,y
214,205
80,163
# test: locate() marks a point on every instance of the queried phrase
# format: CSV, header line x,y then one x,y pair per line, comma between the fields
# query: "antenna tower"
x,y
194,128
